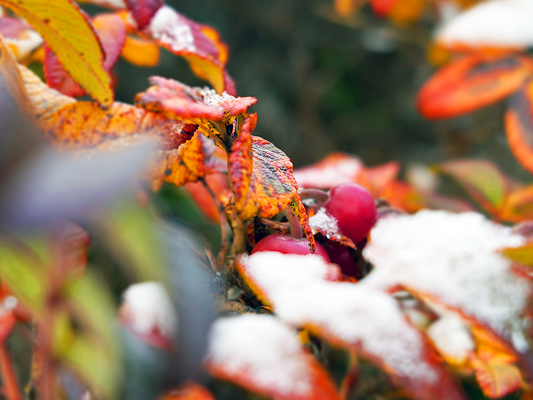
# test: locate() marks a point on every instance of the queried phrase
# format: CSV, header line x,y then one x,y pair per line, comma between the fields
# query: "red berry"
x,y
345,257
288,245
354,209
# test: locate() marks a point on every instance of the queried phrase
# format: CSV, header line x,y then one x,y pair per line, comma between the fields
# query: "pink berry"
x,y
354,209
288,245
345,257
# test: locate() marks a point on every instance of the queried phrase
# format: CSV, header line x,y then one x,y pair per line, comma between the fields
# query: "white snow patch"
x,y
213,99
329,174
453,257
263,348
170,28
148,306
300,294
25,46
451,337
325,222
495,23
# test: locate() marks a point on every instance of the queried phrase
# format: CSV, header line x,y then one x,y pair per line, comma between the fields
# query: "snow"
x,y
454,259
451,337
171,29
25,46
328,174
324,222
494,23
213,99
298,289
148,306
263,348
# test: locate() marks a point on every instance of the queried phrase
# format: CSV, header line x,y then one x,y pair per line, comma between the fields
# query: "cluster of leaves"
x,y
202,138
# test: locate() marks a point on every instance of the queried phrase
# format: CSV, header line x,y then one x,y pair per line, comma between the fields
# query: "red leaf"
x,y
382,7
112,34
144,10
217,183
470,83
205,52
519,126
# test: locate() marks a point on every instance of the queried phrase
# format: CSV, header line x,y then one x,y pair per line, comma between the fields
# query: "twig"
x,y
294,224
283,227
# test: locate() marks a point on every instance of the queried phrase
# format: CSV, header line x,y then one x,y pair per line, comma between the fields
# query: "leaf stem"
x,y
319,196
295,228
9,377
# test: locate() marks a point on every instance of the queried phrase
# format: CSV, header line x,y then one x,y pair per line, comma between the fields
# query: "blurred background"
x,y
329,84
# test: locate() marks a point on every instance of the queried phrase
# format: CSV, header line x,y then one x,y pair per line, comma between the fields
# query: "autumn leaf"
x,y
200,45
111,32
283,369
189,391
522,254
140,52
382,7
73,41
218,183
482,180
472,82
518,205
495,379
519,126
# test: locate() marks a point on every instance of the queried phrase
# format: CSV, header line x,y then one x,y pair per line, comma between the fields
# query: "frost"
x,y
148,306
297,288
496,23
213,99
328,174
453,258
263,348
324,222
451,337
172,29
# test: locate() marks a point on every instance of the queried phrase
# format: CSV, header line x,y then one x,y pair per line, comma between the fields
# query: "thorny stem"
x,y
223,223
294,224
9,377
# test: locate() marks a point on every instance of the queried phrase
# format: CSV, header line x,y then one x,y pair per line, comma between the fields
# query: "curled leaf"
x,y
472,82
73,41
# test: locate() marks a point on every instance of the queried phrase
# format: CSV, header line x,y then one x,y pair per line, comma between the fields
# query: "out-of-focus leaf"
x,y
346,8
496,379
205,52
377,178
217,183
180,101
472,82
284,370
189,391
522,254
482,180
140,52
111,32
73,41
382,7
21,38
115,4
518,205
143,10
519,126
404,12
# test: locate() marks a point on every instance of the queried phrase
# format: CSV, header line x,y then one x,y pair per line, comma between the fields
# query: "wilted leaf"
x,y
73,41
110,31
351,316
205,52
140,52
519,126
472,82
280,368
482,180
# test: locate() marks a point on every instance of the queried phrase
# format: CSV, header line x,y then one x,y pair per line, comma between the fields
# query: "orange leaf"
x,y
140,52
482,180
470,83
519,126
218,183
382,7
143,10
204,51
403,12
112,33
189,391
518,205
346,8
73,41
280,369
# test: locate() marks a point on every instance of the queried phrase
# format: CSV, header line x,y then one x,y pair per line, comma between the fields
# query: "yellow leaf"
x,y
140,52
68,32
522,254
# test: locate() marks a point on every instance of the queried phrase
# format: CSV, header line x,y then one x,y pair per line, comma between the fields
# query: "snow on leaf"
x,y
454,259
263,355
352,316
333,170
472,82
205,52
452,339
147,310
519,126
178,100
22,40
111,32
73,41
482,180
491,24
143,10
327,226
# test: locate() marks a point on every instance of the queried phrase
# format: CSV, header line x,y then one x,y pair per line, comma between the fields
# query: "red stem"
x,y
295,228
9,377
